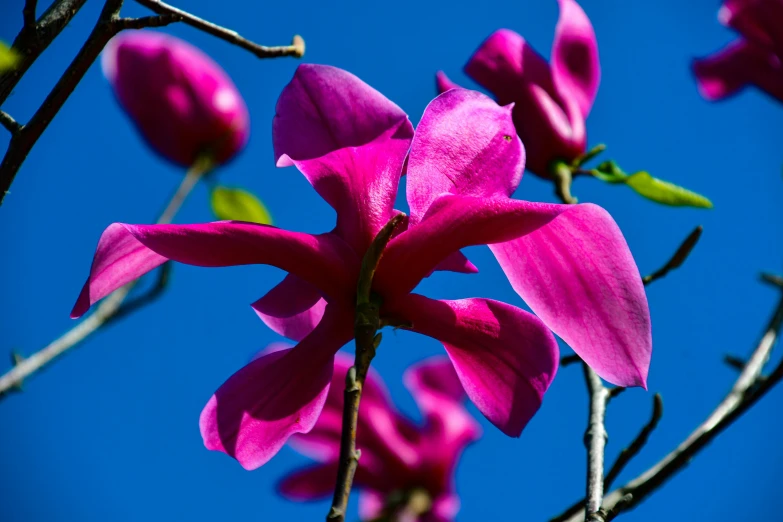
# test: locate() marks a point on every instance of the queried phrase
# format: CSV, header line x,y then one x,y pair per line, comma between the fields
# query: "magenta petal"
x,y
433,376
577,274
439,394
575,67
760,21
443,83
313,483
371,504
739,64
457,262
349,141
382,433
506,65
452,223
489,158
324,109
292,309
258,408
505,357
126,252
550,125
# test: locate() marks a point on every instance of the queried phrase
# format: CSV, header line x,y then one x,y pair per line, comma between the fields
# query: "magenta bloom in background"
x,y
551,100
753,59
570,263
181,101
398,456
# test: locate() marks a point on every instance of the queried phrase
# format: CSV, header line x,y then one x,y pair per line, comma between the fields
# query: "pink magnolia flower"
x,y
753,59
398,456
181,101
570,263
552,100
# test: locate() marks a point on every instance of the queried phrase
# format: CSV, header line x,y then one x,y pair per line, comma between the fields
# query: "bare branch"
x,y
749,388
296,49
10,124
110,309
637,444
366,325
595,440
28,13
568,360
678,258
33,40
147,21
773,280
24,140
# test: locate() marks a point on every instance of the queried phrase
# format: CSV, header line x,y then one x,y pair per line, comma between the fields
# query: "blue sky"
x,y
110,432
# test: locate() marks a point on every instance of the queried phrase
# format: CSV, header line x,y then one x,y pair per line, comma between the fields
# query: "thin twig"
x,y
562,178
637,444
111,308
28,13
147,21
108,25
10,124
749,388
617,390
568,360
33,40
595,440
678,258
296,48
774,280
366,325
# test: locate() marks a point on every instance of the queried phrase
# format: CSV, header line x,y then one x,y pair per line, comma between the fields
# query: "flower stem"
x,y
366,326
111,307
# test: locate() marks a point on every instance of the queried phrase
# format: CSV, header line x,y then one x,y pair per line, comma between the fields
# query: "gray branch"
x,y
748,389
296,49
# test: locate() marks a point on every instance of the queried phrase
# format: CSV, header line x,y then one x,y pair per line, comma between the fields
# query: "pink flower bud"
x,y
181,101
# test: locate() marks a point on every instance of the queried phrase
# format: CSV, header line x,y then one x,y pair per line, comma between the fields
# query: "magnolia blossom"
x,y
754,59
570,263
552,100
399,457
181,101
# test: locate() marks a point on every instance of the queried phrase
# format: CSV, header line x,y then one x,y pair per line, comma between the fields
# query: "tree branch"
x,y
33,40
111,308
146,21
28,13
678,258
595,441
296,49
22,142
749,388
366,325
10,124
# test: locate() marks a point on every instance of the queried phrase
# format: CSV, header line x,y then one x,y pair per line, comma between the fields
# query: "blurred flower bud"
x,y
181,101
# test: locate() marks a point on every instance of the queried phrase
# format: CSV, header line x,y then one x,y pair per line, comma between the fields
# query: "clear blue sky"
x,y
111,431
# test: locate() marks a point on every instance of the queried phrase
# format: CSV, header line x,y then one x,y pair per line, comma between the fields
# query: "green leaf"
x,y
238,205
664,192
8,58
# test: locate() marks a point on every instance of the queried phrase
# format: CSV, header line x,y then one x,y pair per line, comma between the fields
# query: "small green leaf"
x,y
239,205
8,58
664,192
